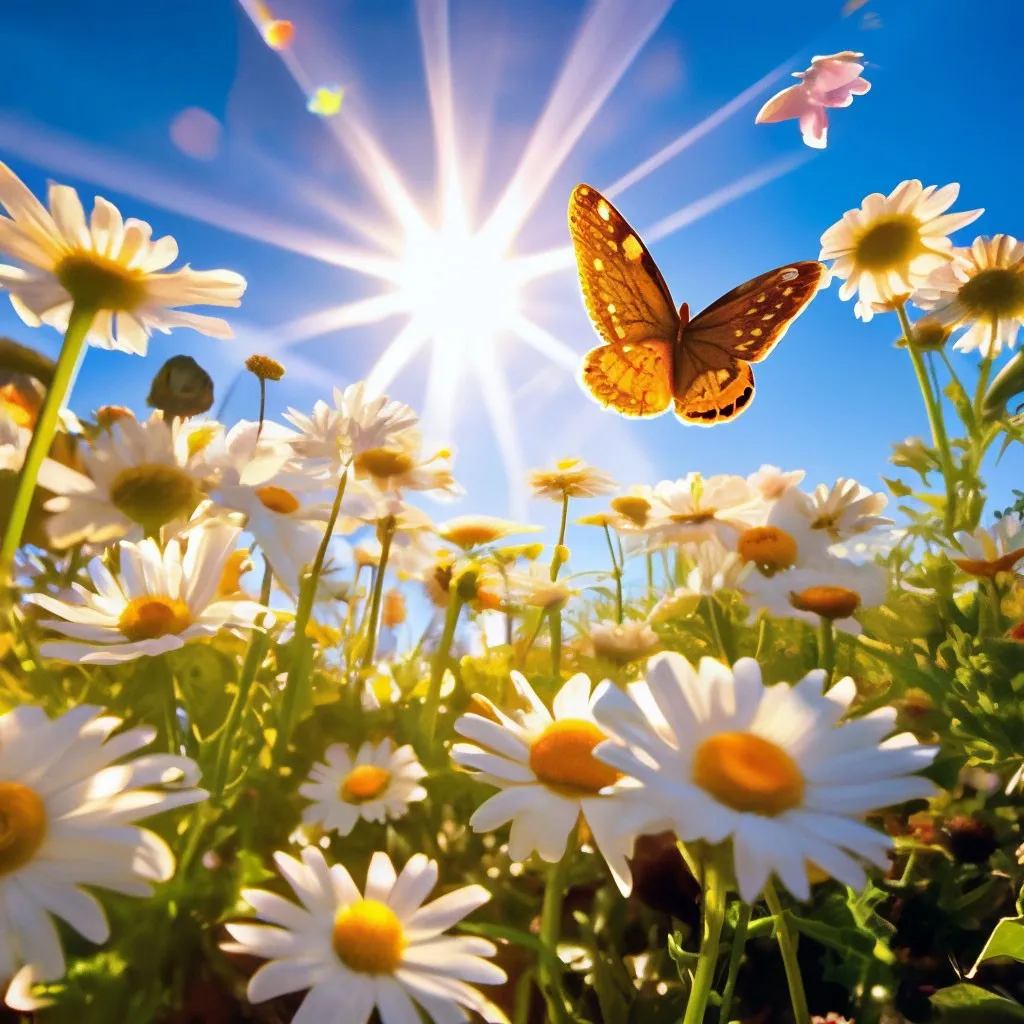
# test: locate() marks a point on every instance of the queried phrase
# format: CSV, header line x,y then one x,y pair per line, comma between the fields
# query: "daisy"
x,y
771,482
535,588
107,264
140,477
378,784
68,804
547,776
160,601
622,642
357,423
834,589
380,949
986,553
395,470
468,532
982,287
768,767
571,478
836,513
695,509
891,244
714,568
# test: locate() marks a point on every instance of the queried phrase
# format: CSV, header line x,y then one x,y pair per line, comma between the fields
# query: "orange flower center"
x,y
634,508
146,618
22,405
22,825
562,757
695,518
235,567
828,602
748,773
890,242
277,499
768,546
994,293
384,463
368,937
365,782
153,494
101,283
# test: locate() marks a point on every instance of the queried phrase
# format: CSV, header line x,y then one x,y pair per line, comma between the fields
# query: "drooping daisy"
x,y
834,589
140,477
771,482
622,642
108,264
159,602
571,478
380,949
726,757
377,784
468,532
981,288
696,508
357,423
543,766
890,245
988,552
68,806
534,588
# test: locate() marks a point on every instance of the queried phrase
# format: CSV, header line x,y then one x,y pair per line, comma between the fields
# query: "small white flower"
x,y
836,513
380,949
771,482
110,264
696,508
888,247
725,757
834,589
622,642
141,477
571,478
160,601
544,767
983,289
377,784
535,588
68,807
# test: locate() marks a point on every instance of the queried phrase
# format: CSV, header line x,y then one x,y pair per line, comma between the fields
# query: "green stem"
x,y
302,645
739,941
263,407
373,623
170,703
996,606
650,575
555,563
555,623
984,371
826,648
715,622
763,638
439,664
715,895
254,655
71,353
787,947
551,926
934,409
616,574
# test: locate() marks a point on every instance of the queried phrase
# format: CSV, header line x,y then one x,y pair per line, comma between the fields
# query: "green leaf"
x,y
970,1004
1008,383
1007,939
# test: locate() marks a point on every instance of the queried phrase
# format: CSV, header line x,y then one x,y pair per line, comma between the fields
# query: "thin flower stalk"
x,y
715,897
551,927
373,622
787,948
439,664
616,574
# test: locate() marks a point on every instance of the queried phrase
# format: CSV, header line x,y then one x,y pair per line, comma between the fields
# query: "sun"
x,y
460,289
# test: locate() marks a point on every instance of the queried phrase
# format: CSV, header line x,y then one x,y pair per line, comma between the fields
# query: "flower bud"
x,y
393,612
264,367
181,388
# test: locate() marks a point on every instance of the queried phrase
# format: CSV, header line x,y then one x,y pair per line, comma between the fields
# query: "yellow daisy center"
x,y
146,618
891,241
277,499
748,773
635,509
768,546
153,493
562,757
365,782
994,293
22,825
368,937
101,283
21,405
473,534
236,566
828,602
693,517
384,463
829,522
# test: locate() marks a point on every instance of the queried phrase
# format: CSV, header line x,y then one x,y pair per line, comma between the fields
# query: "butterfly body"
x,y
655,357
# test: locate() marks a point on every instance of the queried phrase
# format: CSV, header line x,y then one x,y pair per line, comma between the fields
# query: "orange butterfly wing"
x,y
713,379
631,308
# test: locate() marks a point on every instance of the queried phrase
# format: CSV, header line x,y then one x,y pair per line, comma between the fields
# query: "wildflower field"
x,y
290,733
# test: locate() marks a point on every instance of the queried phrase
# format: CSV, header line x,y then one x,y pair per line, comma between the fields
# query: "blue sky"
x,y
91,90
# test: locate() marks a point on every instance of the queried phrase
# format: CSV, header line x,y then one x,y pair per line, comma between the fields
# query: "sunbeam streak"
x,y
360,313
402,349
612,35
697,132
545,343
723,196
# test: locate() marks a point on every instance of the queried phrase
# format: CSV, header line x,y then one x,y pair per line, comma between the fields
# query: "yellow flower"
x,y
108,264
469,532
891,244
571,478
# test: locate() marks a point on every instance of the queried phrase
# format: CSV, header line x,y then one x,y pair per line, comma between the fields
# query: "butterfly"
x,y
655,358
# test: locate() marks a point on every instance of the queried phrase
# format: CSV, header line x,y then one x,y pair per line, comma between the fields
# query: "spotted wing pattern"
x,y
634,380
